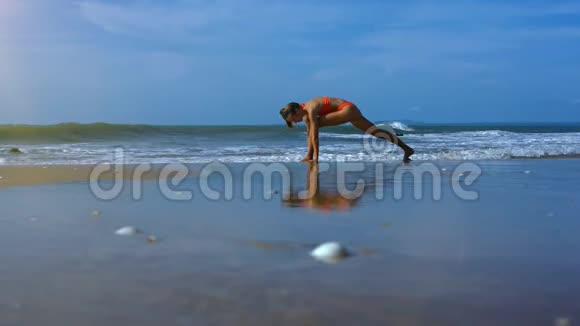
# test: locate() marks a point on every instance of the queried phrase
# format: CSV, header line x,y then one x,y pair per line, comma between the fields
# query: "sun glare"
x,y
8,8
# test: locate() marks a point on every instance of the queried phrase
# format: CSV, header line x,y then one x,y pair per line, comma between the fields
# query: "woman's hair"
x,y
290,108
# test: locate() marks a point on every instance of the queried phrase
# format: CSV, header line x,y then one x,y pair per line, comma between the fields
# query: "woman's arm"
x,y
310,152
311,121
313,134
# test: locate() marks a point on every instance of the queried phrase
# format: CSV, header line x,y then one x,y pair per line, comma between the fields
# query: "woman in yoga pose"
x,y
327,111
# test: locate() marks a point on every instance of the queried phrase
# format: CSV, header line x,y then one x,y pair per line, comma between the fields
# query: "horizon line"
x,y
280,124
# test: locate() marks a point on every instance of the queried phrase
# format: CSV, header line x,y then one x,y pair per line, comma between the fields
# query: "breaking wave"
x,y
88,144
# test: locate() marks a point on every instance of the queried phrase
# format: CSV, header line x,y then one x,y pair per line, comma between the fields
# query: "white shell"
x,y
329,252
127,230
562,321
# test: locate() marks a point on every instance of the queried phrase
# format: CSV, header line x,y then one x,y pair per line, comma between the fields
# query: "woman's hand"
x,y
307,158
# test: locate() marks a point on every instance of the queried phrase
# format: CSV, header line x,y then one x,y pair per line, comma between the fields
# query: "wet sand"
x,y
507,258
28,175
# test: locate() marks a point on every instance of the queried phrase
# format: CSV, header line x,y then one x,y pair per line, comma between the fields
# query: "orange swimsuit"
x,y
326,108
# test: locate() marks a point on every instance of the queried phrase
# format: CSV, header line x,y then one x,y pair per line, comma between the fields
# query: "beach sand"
x,y
27,175
508,258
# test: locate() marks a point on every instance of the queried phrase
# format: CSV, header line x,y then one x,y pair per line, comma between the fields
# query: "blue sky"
x,y
238,62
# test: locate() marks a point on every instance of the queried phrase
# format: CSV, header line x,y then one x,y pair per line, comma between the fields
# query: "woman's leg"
x,y
348,114
368,127
353,115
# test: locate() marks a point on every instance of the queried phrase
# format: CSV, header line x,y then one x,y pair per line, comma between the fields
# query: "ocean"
x,y
73,143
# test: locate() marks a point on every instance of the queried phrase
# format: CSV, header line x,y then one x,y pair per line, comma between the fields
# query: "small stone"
x,y
562,321
96,213
152,239
457,177
127,231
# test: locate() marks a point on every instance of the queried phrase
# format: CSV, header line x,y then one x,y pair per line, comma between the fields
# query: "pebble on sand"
x,y
457,178
330,252
562,321
127,230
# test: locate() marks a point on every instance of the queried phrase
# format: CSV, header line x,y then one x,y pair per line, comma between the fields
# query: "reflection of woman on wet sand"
x,y
314,198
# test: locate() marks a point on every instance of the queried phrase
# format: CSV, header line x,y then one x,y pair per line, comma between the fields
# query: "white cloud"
x,y
145,19
443,37
475,38
185,19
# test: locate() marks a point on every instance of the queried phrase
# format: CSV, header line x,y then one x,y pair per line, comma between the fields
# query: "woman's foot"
x,y
408,152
